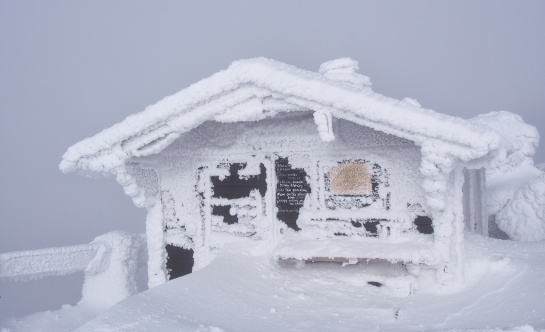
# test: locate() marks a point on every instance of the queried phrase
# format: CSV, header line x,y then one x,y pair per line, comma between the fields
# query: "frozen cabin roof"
x,y
254,89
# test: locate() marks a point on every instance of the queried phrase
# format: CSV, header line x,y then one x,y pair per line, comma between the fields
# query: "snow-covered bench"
x,y
379,223
416,250
371,236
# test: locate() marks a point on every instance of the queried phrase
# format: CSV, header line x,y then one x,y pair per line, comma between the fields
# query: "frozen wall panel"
x,y
475,218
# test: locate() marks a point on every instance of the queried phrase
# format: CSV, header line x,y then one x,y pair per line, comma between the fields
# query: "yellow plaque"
x,y
350,179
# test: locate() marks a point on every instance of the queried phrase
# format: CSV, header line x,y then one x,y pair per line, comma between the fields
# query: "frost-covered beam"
x,y
442,184
155,239
37,264
111,275
324,123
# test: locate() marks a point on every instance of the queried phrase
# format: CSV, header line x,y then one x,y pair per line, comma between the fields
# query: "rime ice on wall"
x,y
194,169
357,136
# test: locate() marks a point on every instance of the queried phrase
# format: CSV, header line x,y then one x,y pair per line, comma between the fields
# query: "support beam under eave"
x,y
442,185
324,123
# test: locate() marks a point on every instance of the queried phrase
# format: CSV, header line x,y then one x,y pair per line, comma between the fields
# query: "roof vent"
x,y
344,70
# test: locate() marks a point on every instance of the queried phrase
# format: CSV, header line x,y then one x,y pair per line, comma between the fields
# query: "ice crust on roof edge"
x,y
344,70
273,77
518,139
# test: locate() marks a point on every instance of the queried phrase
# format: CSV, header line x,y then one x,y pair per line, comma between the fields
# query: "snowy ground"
x,y
244,290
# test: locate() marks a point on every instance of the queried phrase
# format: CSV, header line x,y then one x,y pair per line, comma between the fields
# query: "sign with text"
x,y
292,187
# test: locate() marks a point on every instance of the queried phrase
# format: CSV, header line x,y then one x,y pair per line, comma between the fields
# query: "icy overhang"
x,y
254,89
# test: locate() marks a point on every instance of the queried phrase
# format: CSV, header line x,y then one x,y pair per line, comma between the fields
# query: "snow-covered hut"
x,y
317,165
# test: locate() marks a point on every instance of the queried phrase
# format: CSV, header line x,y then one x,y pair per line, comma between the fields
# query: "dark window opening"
x,y
424,225
356,224
371,227
224,210
233,186
179,261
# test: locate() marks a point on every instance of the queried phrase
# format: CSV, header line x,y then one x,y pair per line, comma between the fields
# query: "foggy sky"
x,y
69,69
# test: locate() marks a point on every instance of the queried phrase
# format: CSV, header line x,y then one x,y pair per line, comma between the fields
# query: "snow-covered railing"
x,y
36,264
109,263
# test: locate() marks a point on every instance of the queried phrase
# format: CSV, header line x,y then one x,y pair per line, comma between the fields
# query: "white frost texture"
x,y
37,264
259,119
519,140
259,110
523,218
109,264
514,165
254,293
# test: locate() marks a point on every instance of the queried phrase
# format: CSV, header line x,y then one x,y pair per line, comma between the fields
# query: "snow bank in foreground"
x,y
503,293
523,218
66,319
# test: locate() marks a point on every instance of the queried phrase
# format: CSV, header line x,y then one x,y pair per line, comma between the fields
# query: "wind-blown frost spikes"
x,y
523,218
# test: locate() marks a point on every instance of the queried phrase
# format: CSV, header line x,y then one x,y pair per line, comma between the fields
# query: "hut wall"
x,y
252,159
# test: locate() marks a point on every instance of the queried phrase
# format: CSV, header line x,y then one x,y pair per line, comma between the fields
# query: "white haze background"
x,y
70,69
